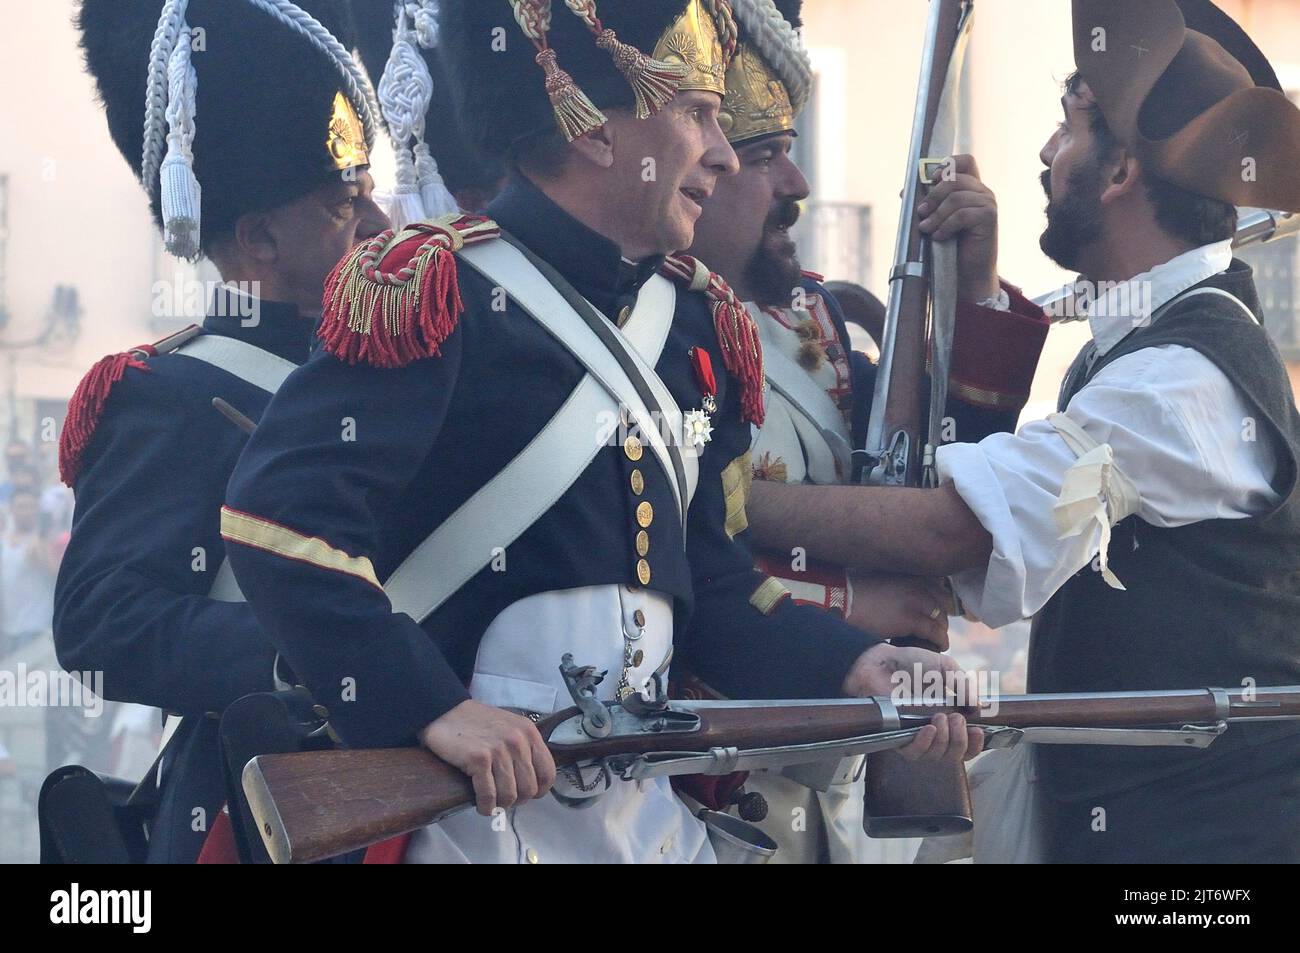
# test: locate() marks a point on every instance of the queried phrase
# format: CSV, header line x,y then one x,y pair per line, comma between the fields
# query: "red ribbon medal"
x,y
697,429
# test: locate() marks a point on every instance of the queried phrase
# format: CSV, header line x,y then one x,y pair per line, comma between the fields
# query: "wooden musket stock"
x,y
317,804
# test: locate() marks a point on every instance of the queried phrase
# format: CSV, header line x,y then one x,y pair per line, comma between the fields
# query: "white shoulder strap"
x,y
507,267
512,501
255,366
248,362
794,384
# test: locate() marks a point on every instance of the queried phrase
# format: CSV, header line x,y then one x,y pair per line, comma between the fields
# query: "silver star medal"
x,y
697,427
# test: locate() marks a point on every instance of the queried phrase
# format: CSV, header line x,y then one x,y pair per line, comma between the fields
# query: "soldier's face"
x,y
1073,183
665,168
313,233
744,233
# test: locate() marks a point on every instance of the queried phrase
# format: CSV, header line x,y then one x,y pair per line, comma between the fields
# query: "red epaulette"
x,y
396,298
820,279
86,406
742,351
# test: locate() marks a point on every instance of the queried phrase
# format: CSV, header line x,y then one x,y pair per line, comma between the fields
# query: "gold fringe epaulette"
x,y
395,299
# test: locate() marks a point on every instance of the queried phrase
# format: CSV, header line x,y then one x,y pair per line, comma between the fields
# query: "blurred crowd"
x,y
35,520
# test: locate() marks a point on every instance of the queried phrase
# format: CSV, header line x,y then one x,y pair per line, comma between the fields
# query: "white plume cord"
x,y
355,84
776,41
405,92
170,24
181,193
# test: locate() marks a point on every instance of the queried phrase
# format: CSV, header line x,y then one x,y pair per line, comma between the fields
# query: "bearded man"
x,y
1152,526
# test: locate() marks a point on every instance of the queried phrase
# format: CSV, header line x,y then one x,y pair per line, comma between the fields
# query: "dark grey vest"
x,y
1210,604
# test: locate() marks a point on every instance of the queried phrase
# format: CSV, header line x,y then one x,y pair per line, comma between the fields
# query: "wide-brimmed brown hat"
x,y
1181,84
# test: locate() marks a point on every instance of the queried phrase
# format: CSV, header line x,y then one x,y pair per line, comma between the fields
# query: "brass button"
x,y
643,572
623,315
639,618
637,658
638,482
645,515
642,543
532,856
632,447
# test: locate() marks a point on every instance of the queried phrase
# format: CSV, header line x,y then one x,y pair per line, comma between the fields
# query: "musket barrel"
x,y
1257,226
904,332
1125,709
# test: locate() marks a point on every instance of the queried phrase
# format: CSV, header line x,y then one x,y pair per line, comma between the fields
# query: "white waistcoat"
x,y
518,667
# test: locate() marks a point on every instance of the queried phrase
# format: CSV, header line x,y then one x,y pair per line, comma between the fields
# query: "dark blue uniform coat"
x,y
369,461
131,598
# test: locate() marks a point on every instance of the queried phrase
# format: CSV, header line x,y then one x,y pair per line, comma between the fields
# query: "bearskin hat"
x,y
497,86
264,103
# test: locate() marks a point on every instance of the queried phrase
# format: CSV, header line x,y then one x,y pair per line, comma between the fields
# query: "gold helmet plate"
x,y
757,102
694,42
347,137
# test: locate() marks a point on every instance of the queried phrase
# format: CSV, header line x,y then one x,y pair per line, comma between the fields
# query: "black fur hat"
x,y
792,10
462,166
498,88
265,98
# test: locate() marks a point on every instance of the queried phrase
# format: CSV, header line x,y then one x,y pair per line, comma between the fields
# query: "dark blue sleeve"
x,y
743,638
337,446
131,597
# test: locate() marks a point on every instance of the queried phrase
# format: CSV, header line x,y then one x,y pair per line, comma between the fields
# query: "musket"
x,y
903,799
1258,226
316,804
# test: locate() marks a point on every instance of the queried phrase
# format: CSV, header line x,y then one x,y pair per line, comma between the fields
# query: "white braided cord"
x,y
406,88
170,24
405,91
771,34
181,195
182,82
426,23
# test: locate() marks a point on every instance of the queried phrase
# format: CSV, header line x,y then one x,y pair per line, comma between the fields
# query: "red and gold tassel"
x,y
575,114
395,299
655,82
87,407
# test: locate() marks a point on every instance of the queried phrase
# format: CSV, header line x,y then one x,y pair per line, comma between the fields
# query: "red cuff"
x,y
995,353
388,851
819,584
219,845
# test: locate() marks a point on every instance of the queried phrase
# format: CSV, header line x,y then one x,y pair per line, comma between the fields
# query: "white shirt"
x,y
1180,431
